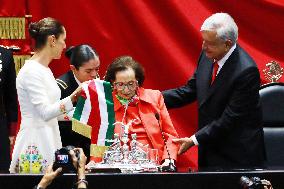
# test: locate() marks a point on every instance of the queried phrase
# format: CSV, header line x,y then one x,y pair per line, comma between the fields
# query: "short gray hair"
x,y
223,24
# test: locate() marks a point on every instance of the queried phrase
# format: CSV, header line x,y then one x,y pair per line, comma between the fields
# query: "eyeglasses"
x,y
131,85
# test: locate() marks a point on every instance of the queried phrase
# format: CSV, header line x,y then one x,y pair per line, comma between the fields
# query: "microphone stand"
x,y
171,167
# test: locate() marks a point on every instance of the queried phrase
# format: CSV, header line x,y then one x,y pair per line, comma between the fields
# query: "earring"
x,y
97,76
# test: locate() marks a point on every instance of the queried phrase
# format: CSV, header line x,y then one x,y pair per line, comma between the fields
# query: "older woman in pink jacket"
x,y
145,106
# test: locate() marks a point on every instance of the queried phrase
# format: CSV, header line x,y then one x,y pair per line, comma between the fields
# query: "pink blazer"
x,y
151,103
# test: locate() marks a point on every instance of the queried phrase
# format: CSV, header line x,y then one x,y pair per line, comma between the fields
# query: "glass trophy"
x,y
129,155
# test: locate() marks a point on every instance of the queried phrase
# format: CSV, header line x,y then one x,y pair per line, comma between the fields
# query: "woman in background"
x,y
84,66
39,99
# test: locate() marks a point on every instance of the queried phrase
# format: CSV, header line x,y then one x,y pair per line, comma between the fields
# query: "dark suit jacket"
x,y
68,85
8,104
230,131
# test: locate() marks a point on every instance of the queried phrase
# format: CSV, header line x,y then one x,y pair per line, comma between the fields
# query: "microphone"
x,y
171,167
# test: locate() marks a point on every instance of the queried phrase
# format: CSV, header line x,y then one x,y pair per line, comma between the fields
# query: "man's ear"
x,y
229,44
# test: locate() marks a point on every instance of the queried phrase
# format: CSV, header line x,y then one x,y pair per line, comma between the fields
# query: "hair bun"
x,y
34,29
69,52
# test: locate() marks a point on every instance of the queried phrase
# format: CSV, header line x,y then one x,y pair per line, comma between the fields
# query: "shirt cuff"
x,y
193,138
62,117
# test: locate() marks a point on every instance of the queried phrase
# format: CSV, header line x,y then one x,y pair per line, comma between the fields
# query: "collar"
x,y
130,102
142,94
223,60
78,82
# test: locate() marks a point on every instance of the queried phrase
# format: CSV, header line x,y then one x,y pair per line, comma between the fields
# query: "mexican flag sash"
x,y
94,115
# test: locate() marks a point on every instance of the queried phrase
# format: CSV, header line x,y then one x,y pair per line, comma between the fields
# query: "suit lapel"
x,y
205,78
222,77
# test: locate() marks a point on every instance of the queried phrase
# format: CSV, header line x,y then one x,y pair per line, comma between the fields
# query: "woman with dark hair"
x,y
145,108
84,66
39,99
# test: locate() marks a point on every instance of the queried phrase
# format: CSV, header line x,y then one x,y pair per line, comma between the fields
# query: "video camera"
x,y
63,159
251,183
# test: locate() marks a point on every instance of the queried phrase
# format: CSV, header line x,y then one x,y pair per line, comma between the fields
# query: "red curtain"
x,y
18,9
164,36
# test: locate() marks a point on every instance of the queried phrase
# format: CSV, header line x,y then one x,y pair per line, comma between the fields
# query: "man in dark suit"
x,y
8,105
225,85
84,66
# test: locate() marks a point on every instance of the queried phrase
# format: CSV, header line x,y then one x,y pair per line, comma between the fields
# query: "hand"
x,y
12,140
185,143
90,164
78,162
267,184
74,96
49,176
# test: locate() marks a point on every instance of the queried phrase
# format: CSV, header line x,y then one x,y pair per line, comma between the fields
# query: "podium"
x,y
194,180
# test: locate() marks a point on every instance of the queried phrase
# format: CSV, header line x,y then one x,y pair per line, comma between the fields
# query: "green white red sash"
x,y
94,114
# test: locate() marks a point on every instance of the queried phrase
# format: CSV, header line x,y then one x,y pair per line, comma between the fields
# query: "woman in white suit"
x,y
39,99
